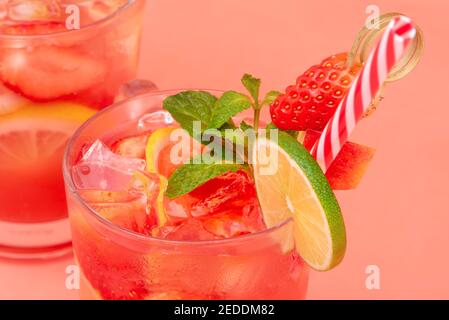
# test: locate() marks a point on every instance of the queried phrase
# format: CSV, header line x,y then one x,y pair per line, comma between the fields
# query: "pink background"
x,y
398,219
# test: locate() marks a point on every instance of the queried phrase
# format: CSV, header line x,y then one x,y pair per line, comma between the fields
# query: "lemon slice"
x,y
160,146
290,184
156,142
148,186
36,132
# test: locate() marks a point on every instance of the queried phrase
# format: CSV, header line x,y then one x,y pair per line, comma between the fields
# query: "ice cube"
x,y
34,10
149,184
154,120
133,207
123,208
189,229
99,152
99,176
96,10
102,169
232,224
134,88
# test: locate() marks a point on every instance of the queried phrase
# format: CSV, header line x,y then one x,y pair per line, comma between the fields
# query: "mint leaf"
x,y
252,84
229,104
270,97
190,176
189,106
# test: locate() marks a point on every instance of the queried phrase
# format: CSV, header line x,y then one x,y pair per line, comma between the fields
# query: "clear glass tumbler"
x,y
117,263
52,79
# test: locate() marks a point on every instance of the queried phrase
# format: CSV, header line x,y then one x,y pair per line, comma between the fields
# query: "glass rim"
x,y
98,23
70,186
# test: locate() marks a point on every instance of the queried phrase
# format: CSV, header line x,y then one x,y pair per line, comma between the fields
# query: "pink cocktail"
x,y
214,243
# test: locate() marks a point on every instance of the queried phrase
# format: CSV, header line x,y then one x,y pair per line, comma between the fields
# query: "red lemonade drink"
x,y
55,72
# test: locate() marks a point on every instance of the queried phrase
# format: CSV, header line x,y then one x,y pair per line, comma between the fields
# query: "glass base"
x,y
46,253
45,240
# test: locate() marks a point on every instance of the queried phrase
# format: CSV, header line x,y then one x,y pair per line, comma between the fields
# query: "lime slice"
x,y
290,184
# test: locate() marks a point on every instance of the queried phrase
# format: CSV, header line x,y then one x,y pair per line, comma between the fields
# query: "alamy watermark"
x,y
73,20
372,281
73,278
373,20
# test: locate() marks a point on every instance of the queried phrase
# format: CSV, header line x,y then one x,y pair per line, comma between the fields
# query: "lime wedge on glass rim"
x,y
290,184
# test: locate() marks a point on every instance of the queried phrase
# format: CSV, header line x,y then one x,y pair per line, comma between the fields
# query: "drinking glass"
x,y
52,78
117,263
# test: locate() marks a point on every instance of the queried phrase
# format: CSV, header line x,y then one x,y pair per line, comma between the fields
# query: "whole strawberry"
x,y
311,102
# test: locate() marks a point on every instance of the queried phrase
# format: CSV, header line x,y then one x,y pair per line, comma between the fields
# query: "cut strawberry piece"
x,y
48,73
232,191
348,168
133,147
165,164
227,206
179,208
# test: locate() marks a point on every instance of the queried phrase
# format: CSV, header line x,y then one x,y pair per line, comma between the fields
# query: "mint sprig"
x,y
214,113
252,84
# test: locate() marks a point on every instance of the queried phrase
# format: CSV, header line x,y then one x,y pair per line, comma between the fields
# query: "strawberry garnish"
x,y
312,101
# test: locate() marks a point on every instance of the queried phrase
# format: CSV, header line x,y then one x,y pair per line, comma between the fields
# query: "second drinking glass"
x,y
51,80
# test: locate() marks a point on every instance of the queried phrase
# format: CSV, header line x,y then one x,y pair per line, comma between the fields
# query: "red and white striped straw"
x,y
389,50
